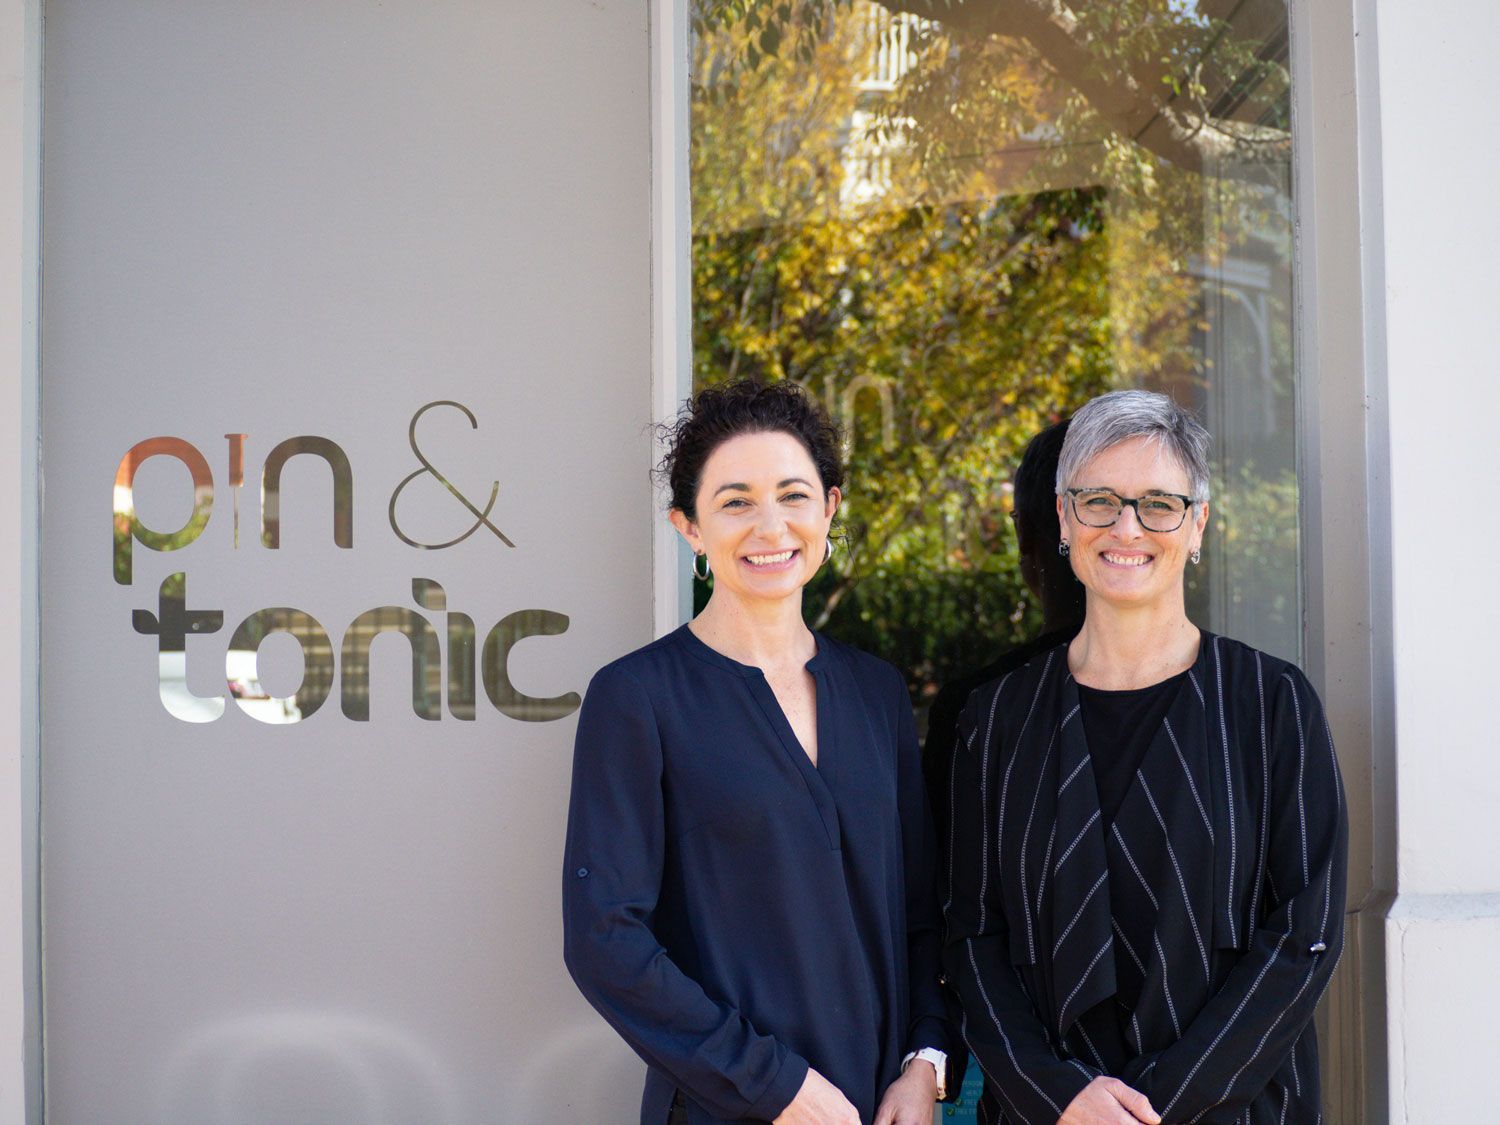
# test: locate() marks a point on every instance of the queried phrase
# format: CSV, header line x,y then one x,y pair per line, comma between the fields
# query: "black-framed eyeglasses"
x,y
1155,511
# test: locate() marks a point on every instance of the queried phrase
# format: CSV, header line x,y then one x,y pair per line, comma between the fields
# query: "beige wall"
x,y
283,219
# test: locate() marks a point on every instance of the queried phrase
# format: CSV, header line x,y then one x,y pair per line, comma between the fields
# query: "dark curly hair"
x,y
745,406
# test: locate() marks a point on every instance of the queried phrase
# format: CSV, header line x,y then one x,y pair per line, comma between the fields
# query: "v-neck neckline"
x,y
776,713
818,779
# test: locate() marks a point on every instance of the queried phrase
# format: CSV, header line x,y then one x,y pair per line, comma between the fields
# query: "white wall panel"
x,y
1427,127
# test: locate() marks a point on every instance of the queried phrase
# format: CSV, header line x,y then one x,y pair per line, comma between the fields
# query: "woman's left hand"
x,y
909,1099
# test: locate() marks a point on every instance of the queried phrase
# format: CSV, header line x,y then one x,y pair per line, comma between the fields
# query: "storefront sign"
x,y
175,619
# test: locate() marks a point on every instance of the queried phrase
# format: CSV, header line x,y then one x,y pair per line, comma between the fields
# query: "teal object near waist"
x,y
965,1109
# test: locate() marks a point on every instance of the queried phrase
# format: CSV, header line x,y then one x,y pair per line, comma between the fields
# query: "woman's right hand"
x,y
818,1102
1108,1101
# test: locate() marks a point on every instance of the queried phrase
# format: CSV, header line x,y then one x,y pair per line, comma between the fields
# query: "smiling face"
x,y
762,516
1125,564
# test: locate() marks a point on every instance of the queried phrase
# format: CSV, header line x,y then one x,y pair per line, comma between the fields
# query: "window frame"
x,y
1344,539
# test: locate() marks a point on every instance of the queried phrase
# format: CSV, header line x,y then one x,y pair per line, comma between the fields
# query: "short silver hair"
x,y
1122,415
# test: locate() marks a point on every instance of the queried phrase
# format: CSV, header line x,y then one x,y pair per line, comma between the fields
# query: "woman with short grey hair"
x,y
1146,892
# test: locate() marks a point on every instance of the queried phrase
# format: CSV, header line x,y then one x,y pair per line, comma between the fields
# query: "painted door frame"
x,y
21,1039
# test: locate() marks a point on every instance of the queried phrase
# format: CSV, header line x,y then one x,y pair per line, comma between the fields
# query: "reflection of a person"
x,y
1048,576
1146,891
749,885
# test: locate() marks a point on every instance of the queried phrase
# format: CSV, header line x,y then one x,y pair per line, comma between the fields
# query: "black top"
x,y
1119,727
1182,949
736,913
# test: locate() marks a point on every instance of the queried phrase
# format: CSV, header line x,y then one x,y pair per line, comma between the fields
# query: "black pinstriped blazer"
x,y
1184,949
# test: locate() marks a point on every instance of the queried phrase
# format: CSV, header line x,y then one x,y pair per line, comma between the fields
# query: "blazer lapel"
x,y
1228,808
1162,860
1082,953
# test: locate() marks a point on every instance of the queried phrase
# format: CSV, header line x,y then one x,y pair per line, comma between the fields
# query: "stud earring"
x,y
1062,548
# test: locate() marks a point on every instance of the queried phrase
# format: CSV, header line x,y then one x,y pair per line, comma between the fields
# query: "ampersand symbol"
x,y
481,518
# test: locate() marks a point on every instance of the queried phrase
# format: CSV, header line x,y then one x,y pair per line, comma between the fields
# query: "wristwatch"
x,y
939,1061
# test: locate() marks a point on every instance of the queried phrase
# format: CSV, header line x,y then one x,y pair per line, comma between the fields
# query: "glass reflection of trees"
x,y
955,223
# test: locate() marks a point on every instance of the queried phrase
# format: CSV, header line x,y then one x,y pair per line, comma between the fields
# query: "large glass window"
x,y
955,224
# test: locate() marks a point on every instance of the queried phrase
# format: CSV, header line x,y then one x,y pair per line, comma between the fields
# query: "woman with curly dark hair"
x,y
748,879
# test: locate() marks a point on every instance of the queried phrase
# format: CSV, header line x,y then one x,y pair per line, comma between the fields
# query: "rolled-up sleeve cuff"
x,y
781,1090
930,1031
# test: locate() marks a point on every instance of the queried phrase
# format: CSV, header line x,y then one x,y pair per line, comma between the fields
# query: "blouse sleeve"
x,y
612,875
1226,1056
929,1025
1001,1025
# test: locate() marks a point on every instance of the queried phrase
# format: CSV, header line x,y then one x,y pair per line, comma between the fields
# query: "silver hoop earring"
x,y
707,570
1062,548
1195,556
827,550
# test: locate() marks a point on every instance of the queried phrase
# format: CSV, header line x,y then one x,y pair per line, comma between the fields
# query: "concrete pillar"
x,y
1431,249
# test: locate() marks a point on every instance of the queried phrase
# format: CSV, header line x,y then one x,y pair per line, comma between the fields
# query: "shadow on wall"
x,y
305,1066
310,1066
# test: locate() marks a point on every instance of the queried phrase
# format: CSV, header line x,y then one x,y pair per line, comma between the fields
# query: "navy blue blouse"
x,y
735,912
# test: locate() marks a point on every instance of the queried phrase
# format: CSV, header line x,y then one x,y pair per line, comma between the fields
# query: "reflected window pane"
x,y
955,230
